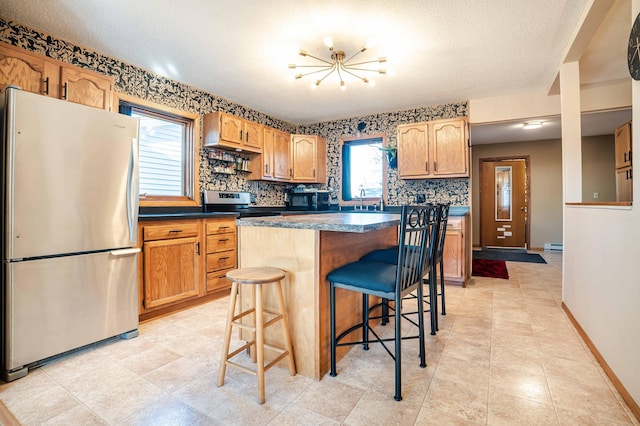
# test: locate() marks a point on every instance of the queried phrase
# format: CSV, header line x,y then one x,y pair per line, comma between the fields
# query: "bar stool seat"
x,y
256,277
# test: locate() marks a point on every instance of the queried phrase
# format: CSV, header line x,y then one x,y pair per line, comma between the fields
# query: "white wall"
x,y
602,272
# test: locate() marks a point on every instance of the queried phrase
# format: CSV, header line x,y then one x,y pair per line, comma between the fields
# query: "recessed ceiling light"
x,y
532,125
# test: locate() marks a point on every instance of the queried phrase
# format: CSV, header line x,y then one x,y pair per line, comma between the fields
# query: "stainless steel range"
x,y
230,201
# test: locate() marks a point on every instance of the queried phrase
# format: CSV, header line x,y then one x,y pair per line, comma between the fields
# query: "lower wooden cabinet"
x,y
456,252
184,262
221,252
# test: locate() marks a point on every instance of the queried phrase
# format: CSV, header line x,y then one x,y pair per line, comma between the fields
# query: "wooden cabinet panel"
x,y
221,226
174,230
433,149
624,163
413,151
308,159
281,145
222,260
456,253
170,271
221,242
449,148
39,74
224,131
217,280
264,169
623,145
25,70
85,87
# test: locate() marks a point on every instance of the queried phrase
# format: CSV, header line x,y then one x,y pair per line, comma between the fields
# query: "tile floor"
x,y
505,354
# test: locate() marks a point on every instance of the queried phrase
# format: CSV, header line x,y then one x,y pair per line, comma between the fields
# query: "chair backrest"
x,y
442,230
417,245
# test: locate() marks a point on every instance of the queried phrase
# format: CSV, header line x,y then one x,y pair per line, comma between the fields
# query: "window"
x,y
168,161
362,169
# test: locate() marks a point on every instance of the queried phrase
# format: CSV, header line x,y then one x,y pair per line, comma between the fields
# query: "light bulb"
x,y
343,87
328,42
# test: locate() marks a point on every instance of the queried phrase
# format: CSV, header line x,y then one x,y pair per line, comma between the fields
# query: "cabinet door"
x,y
25,70
623,145
449,151
266,163
303,158
86,88
231,129
452,253
624,184
170,270
413,151
281,143
253,135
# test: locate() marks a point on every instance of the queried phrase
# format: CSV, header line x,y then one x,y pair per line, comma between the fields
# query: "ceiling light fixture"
x,y
340,65
532,125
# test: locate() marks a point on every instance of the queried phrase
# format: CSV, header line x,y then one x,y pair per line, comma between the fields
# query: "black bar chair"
x,y
390,282
389,256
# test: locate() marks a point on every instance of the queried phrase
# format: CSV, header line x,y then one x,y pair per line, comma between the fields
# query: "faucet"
x,y
362,194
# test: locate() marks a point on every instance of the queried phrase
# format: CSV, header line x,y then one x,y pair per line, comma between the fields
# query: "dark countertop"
x,y
168,213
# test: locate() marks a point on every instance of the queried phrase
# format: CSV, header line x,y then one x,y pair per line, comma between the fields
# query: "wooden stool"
x,y
257,277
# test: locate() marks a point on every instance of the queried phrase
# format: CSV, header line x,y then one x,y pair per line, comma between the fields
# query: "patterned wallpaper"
x,y
138,82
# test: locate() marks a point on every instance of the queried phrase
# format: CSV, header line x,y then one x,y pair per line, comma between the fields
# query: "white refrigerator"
x,y
69,227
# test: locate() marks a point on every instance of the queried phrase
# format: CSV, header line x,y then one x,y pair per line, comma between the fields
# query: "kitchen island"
x,y
307,248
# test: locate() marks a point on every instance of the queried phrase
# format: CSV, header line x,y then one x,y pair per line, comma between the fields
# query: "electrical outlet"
x,y
596,195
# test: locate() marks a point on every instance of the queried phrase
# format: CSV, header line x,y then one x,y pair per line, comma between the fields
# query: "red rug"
x,y
489,268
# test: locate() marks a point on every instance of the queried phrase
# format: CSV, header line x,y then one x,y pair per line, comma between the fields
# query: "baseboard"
x,y
633,406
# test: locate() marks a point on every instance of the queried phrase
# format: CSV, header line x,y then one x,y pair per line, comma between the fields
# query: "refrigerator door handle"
x,y
124,252
133,190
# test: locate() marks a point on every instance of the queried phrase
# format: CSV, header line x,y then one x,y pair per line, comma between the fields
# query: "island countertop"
x,y
340,222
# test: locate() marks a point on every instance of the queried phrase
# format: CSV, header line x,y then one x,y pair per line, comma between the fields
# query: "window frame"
x,y
191,155
356,201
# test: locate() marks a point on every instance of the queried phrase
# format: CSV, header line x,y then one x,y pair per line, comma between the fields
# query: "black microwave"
x,y
311,200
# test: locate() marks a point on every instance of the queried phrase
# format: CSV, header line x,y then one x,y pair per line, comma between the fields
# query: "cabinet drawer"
x,y
222,260
454,224
217,280
176,230
221,242
221,227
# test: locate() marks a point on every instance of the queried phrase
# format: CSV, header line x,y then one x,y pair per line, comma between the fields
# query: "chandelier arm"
x,y
353,74
361,69
319,59
327,74
365,62
354,55
314,66
317,71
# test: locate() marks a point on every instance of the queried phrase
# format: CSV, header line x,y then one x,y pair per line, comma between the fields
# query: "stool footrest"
x,y
244,326
278,317
243,314
241,348
276,360
241,367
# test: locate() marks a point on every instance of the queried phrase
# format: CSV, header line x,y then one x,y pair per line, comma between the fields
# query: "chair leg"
x,y
332,309
227,333
433,304
365,321
423,363
385,312
285,330
260,343
444,311
398,342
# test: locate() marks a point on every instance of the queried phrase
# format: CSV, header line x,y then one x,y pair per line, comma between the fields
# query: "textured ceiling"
x,y
441,50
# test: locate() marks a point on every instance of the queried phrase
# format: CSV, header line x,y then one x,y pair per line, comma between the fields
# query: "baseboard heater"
x,y
552,247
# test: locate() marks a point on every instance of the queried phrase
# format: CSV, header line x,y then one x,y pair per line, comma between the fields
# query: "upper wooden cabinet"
x,y
273,163
85,87
624,163
308,158
222,130
39,74
433,149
